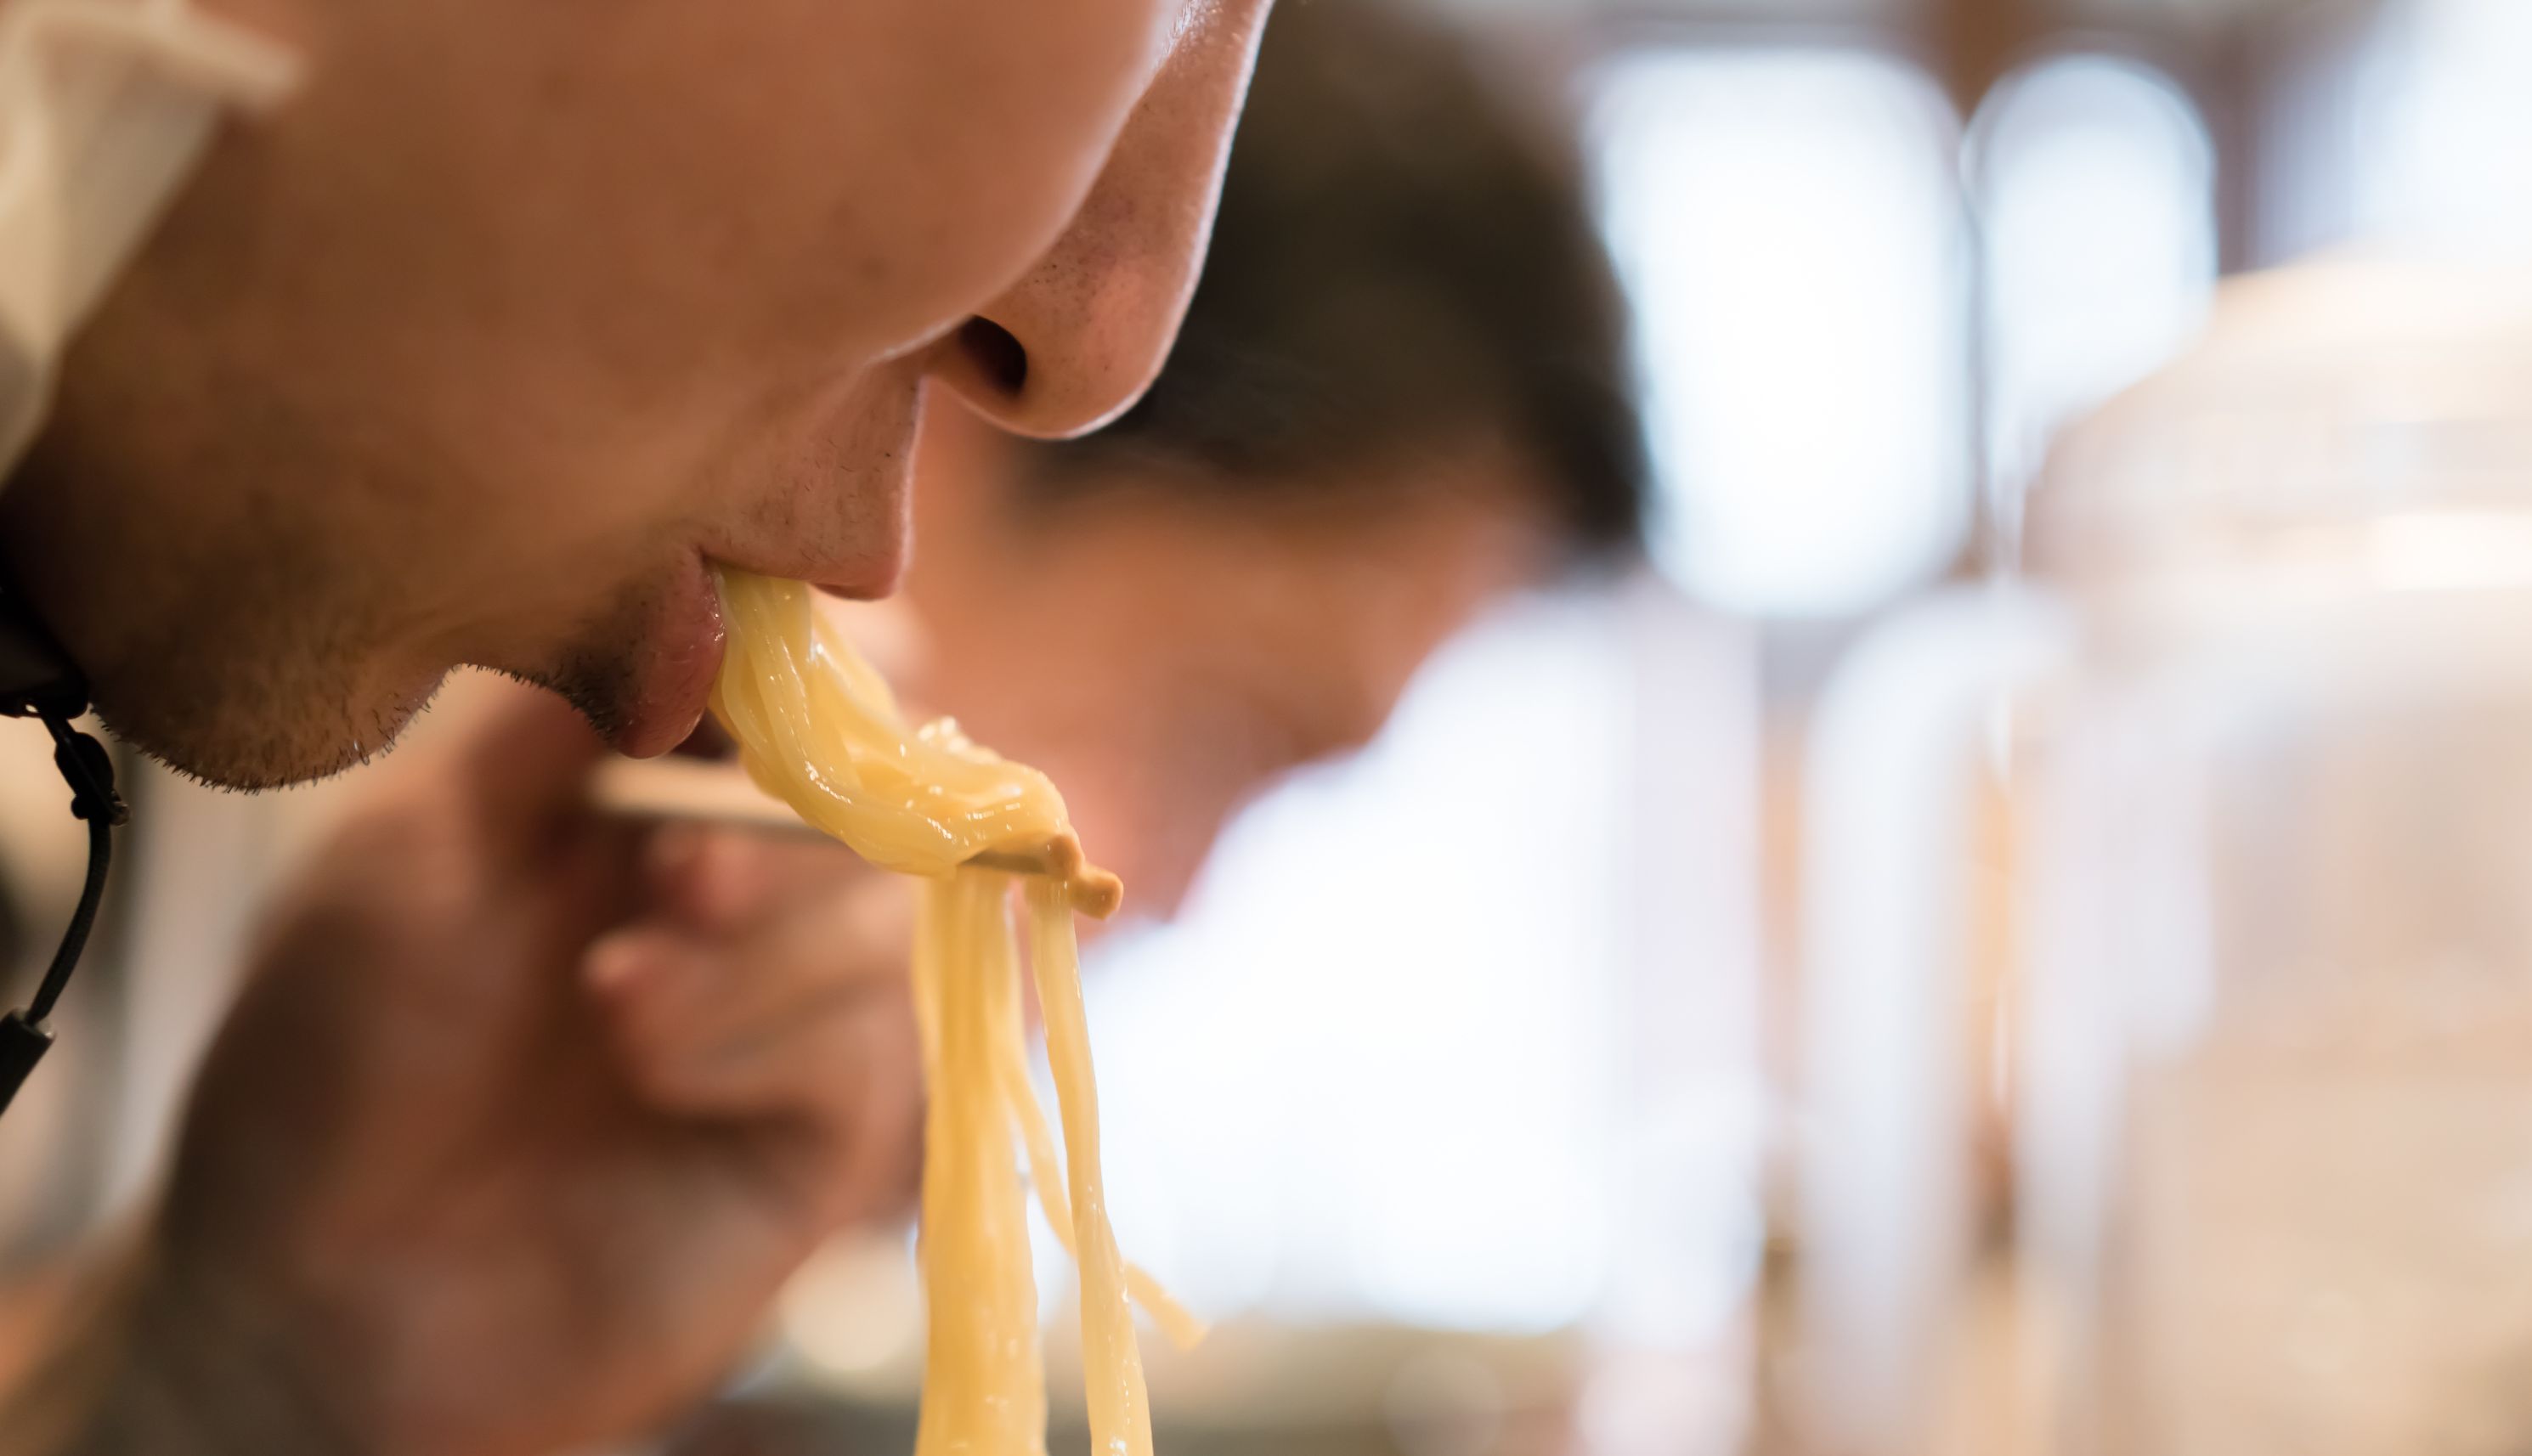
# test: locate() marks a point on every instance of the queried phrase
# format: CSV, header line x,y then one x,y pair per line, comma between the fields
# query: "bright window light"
x,y
2444,123
2095,184
1788,222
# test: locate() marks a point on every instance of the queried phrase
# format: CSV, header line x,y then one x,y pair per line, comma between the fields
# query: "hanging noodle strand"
x,y
818,728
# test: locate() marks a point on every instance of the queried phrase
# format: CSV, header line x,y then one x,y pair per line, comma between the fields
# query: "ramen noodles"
x,y
818,728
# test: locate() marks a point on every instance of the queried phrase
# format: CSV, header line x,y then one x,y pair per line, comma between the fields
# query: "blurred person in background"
x,y
476,339
1400,393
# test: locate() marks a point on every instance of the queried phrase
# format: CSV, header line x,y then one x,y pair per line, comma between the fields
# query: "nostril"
x,y
996,352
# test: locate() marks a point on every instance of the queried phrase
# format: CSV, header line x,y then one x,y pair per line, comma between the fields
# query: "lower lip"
x,y
676,681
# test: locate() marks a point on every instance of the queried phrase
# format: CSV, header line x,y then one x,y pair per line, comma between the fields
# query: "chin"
x,y
249,741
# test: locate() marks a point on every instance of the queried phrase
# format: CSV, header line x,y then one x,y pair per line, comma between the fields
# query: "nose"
x,y
1080,338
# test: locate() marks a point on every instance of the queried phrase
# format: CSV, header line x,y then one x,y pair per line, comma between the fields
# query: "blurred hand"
x,y
526,1116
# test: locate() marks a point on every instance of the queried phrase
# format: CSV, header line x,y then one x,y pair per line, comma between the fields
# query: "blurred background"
x,y
2005,931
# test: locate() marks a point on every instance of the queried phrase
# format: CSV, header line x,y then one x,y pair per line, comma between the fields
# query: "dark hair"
x,y
1403,259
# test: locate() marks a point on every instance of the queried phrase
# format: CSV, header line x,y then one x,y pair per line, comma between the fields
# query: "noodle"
x,y
985,1388
1112,1368
819,729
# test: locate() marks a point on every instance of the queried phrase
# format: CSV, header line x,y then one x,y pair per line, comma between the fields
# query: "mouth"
x,y
672,684
838,519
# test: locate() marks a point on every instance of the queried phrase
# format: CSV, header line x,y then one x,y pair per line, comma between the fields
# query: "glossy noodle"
x,y
819,729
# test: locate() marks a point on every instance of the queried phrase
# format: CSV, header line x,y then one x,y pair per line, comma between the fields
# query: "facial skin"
x,y
1162,652
482,348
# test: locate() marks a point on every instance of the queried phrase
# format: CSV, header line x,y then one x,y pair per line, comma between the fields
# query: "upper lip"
x,y
866,581
838,515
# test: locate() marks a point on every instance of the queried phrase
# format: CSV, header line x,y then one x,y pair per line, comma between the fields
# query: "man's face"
x,y
520,317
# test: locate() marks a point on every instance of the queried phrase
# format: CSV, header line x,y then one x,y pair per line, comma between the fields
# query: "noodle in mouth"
x,y
819,729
